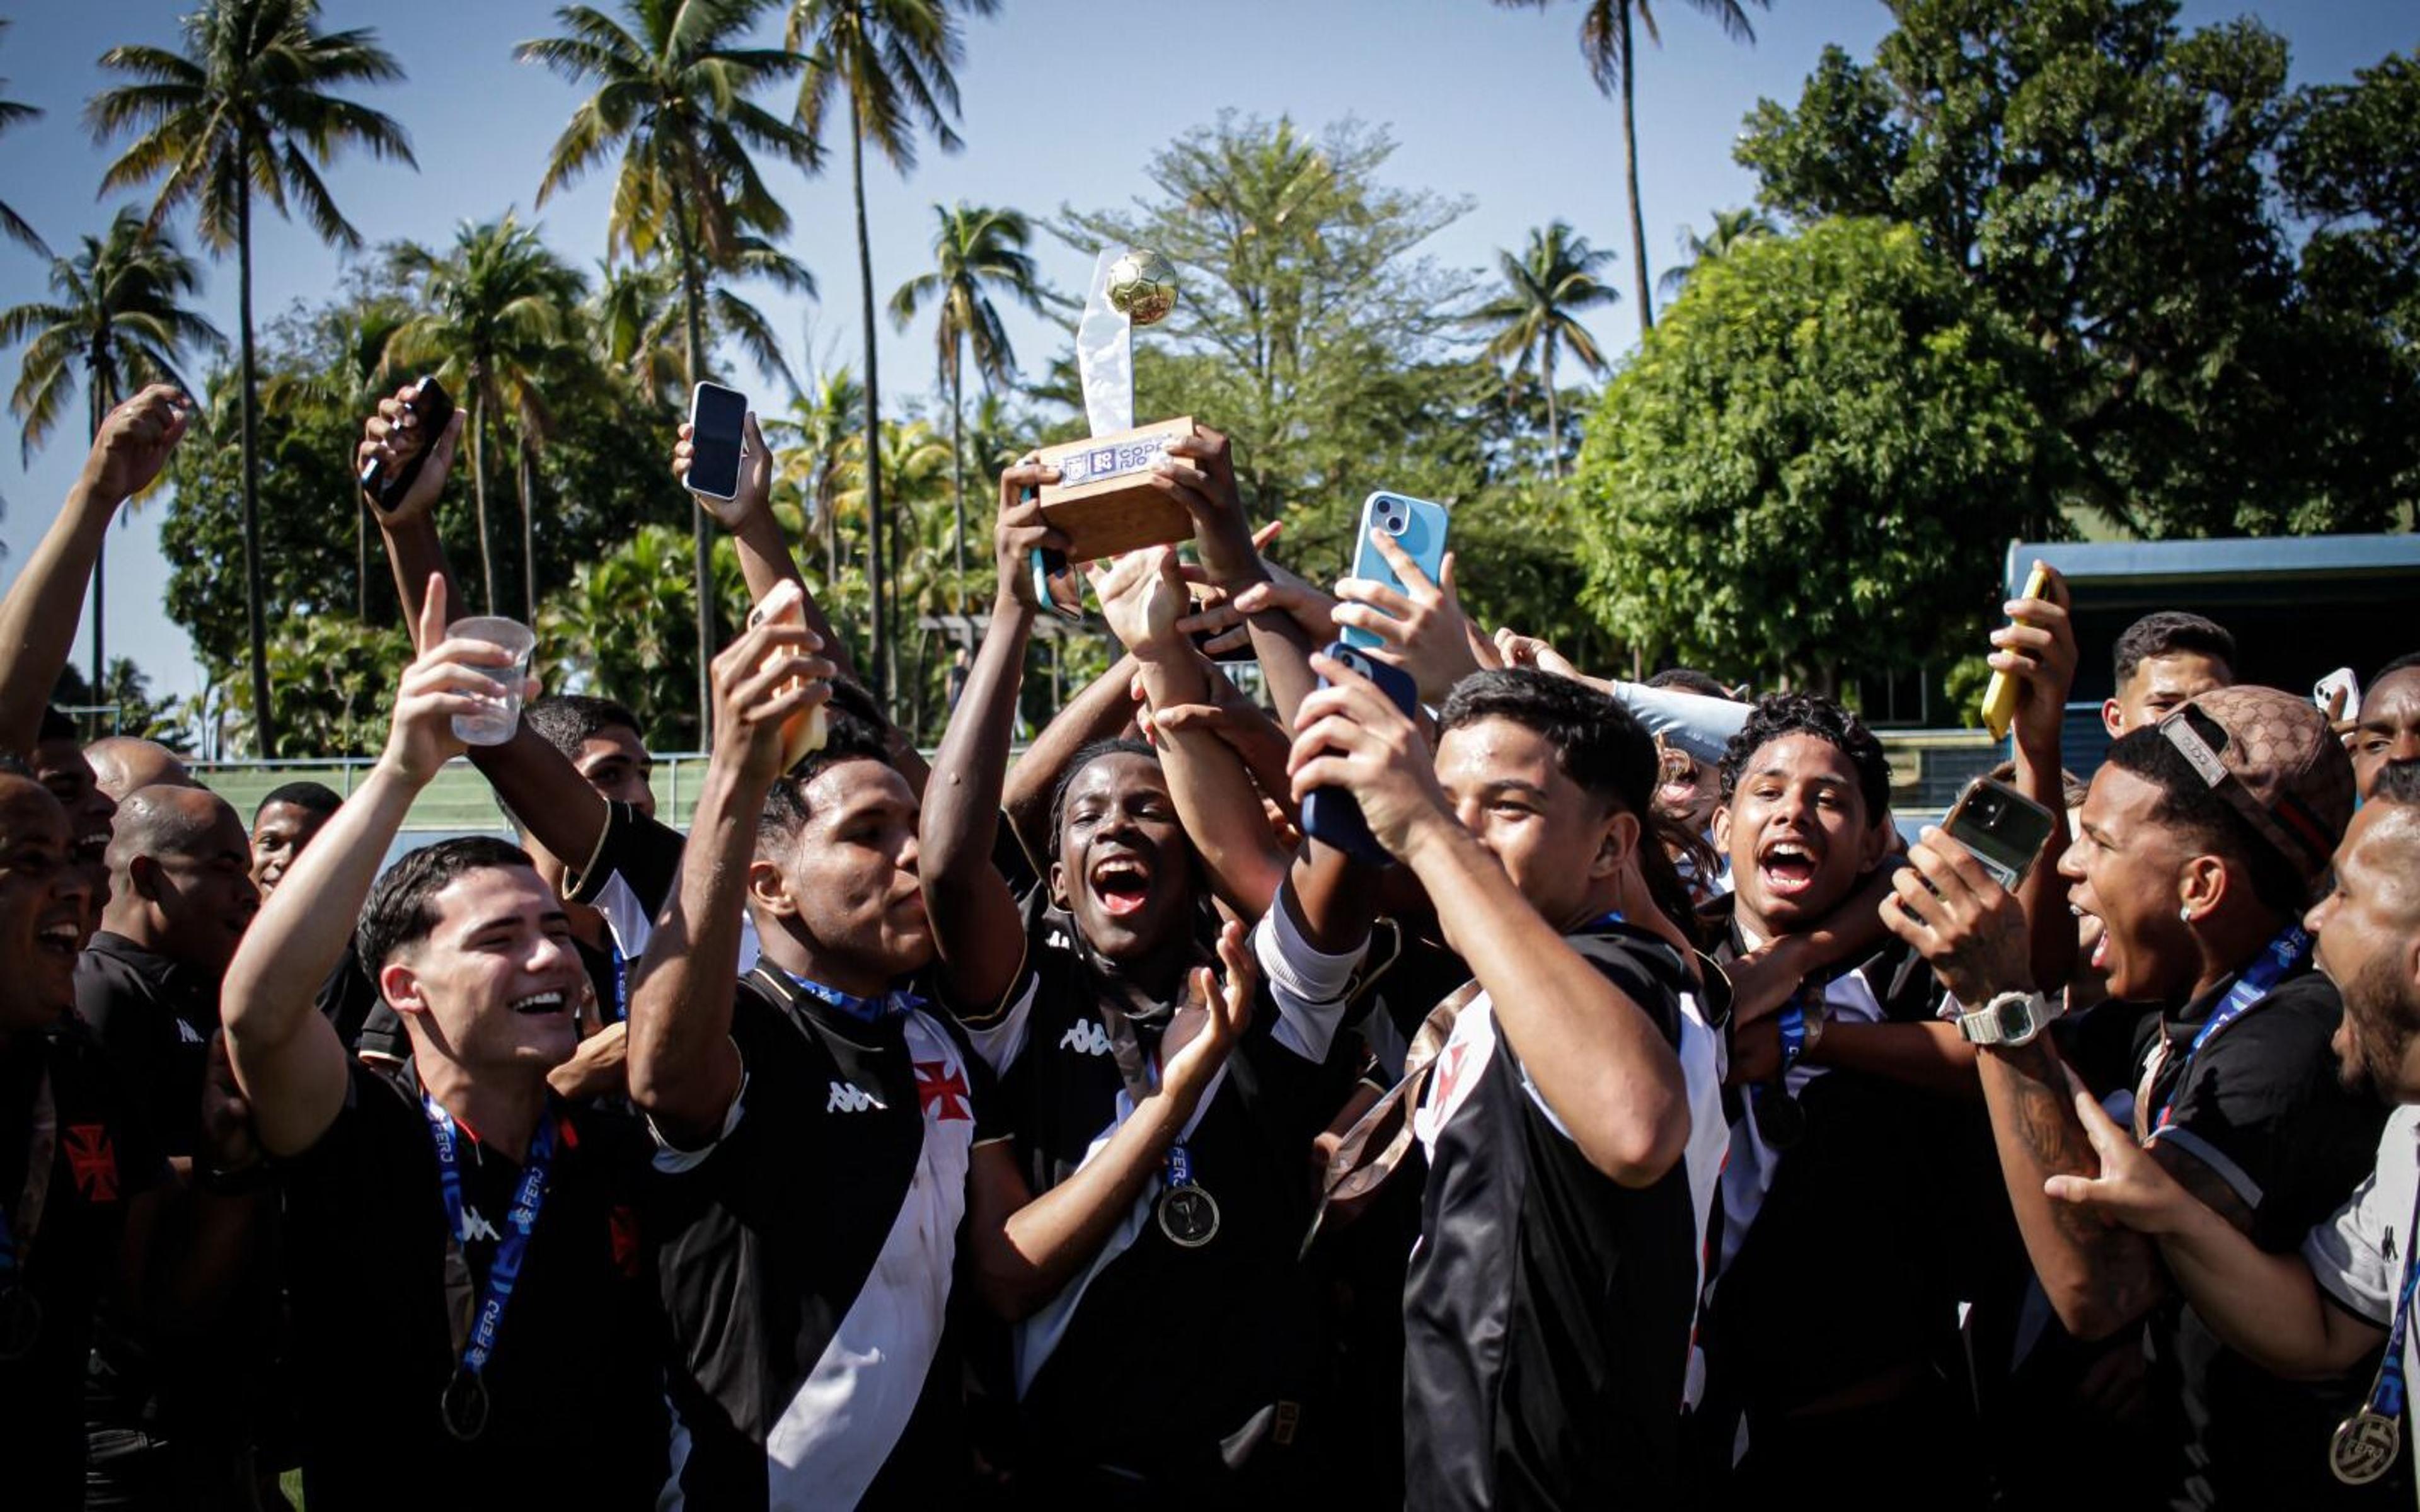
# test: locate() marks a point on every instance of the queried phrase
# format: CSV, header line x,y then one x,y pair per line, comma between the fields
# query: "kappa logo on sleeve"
x,y
1085,1038
849,1099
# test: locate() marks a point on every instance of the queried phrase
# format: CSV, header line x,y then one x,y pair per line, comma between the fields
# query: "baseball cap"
x,y
2273,759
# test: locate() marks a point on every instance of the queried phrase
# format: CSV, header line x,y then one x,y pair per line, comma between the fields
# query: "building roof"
x,y
2275,561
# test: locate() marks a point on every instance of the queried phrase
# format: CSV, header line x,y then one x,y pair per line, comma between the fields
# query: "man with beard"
x,y
2387,730
2346,1298
2199,846
1073,993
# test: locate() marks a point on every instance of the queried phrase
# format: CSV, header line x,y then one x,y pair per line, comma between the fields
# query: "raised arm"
x,y
1143,596
976,928
1200,473
1027,1248
683,1069
537,782
1597,1060
1973,934
286,1058
2037,648
38,618
2267,1306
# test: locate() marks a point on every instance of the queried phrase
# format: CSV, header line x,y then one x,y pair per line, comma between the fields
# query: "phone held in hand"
x,y
2324,692
1331,815
2003,828
432,410
803,733
1416,525
2000,693
717,418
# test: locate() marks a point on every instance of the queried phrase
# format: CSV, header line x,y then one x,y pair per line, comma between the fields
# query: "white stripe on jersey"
x,y
835,1435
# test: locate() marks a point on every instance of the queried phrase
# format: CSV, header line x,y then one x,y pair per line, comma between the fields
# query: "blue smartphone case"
x,y
1417,525
1331,815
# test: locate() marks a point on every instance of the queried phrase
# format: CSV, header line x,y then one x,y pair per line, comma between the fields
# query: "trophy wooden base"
x,y
1104,501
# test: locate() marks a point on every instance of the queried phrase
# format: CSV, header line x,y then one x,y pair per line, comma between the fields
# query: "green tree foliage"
x,y
13,226
1814,461
248,109
125,696
2103,178
1309,329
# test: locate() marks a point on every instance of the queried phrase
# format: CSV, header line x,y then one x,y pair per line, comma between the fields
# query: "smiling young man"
x,y
1072,987
828,1141
2200,845
511,1356
290,817
1548,1304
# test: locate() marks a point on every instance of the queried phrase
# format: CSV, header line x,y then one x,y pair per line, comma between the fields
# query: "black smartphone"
x,y
2003,828
432,409
718,417
1332,815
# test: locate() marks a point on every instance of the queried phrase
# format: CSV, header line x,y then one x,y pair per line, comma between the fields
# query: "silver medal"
x,y
2365,1446
464,1406
1188,1216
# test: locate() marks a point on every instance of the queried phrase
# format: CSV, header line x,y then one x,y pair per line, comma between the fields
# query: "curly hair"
x,y
1779,716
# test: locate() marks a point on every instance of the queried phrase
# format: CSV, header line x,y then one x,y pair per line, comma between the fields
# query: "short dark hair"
x,y
399,913
2397,782
2165,634
564,721
848,738
1779,716
2188,802
2403,663
1096,750
311,798
56,726
1690,679
1598,743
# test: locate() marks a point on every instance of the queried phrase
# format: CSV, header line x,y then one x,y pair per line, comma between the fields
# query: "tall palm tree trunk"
x,y
702,564
479,492
264,718
1630,178
959,474
881,654
525,484
1554,414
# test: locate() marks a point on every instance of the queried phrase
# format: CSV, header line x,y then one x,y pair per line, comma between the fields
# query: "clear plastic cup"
x,y
502,715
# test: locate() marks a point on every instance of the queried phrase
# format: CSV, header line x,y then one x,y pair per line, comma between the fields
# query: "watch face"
x,y
2017,1019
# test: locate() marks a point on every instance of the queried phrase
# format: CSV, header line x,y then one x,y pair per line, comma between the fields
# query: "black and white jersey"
x,y
807,1262
1549,1307
631,878
1225,1385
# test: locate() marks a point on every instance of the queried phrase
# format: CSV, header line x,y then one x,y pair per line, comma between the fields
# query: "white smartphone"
x,y
2325,691
718,418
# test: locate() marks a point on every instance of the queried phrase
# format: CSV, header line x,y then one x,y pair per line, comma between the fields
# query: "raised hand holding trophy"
x,y
1104,503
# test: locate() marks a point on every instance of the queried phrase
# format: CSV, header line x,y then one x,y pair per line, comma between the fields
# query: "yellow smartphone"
x,y
2000,694
801,734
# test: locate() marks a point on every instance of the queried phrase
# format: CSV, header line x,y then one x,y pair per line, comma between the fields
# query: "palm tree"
x,y
673,101
1545,289
822,459
975,246
356,332
492,319
1607,43
13,226
895,61
116,312
246,110
1730,229
638,312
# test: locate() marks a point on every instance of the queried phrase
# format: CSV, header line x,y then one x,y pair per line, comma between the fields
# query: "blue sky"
x,y
1064,103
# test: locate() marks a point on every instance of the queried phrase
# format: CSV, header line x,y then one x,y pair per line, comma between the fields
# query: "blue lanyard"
x,y
621,980
1611,916
892,1004
1792,1020
2279,958
2386,1398
512,1248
